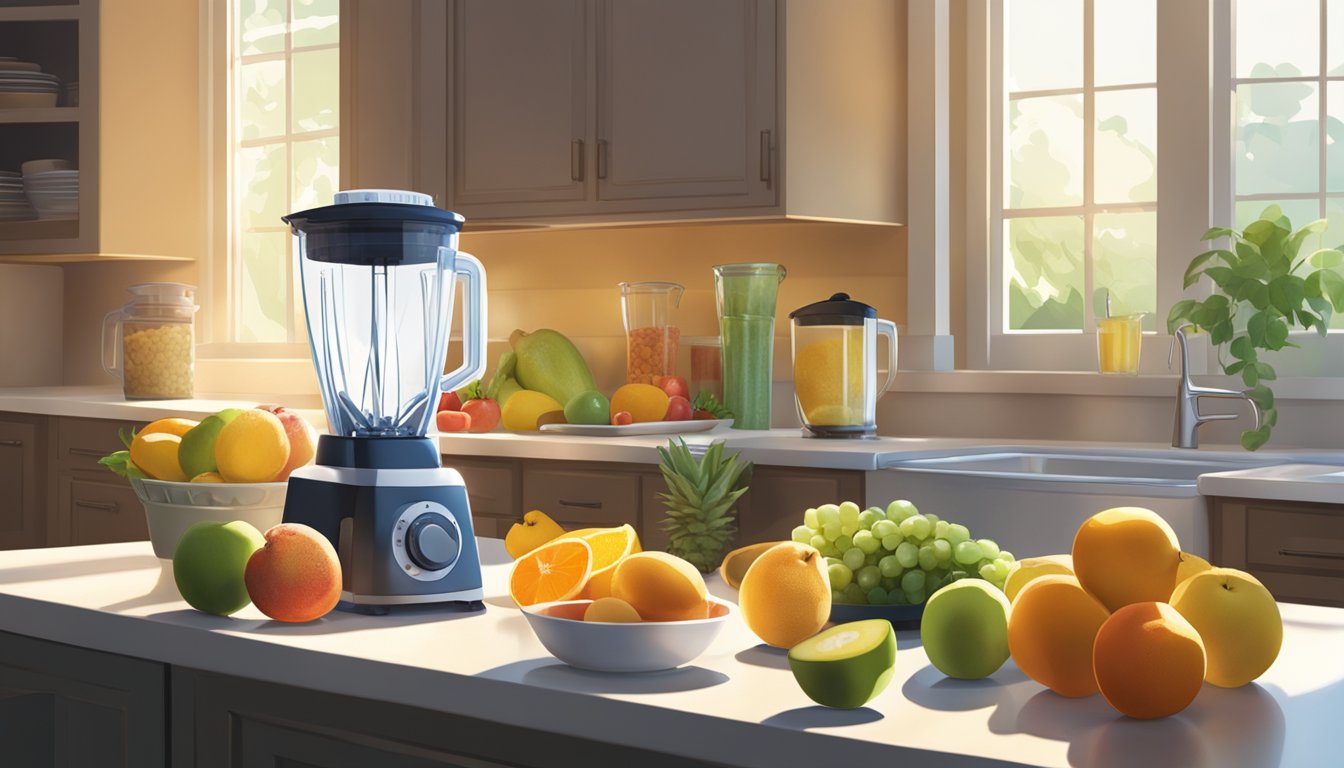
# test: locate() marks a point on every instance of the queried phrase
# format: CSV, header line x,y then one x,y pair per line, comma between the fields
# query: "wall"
x,y
30,325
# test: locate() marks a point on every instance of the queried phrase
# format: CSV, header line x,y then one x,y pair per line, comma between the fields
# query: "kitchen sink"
x,y
1031,500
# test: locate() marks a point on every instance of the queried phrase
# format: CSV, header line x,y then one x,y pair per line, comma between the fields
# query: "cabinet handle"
x,y
601,158
1310,553
576,160
765,158
94,452
583,504
102,506
12,443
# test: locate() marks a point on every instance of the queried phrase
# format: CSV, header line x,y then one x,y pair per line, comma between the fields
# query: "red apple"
x,y
674,386
296,576
302,439
678,409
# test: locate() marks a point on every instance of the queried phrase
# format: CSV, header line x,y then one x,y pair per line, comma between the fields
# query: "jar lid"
x,y
837,310
164,294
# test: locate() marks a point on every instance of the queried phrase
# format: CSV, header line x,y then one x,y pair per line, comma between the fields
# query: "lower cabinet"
x,y
23,480
67,706
1296,549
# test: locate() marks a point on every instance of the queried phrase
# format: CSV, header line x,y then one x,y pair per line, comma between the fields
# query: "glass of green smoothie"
x,y
745,296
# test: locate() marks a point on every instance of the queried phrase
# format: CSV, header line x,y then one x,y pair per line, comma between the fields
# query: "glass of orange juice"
x,y
1118,341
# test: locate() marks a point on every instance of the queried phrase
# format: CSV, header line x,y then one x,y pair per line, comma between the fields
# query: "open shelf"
x,y
40,115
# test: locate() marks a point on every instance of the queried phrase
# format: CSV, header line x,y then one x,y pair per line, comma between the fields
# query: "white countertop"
x,y
99,402
736,704
1322,484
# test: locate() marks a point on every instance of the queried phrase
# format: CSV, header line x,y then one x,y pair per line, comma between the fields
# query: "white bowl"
x,y
646,646
171,508
49,164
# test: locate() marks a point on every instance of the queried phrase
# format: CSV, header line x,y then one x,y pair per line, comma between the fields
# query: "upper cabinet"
x,y
99,131
623,111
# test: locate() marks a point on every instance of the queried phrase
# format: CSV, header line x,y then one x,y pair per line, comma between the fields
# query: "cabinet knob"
x,y
766,174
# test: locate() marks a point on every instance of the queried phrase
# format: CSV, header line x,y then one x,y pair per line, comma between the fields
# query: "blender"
x,y
835,366
378,272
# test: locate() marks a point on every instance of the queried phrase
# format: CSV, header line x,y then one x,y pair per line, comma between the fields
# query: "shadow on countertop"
x,y
817,716
548,673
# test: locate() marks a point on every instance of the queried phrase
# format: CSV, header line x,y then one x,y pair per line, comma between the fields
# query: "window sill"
x,y
1081,383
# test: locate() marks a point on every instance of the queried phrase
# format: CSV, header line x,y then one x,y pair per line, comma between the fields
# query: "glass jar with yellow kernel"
x,y
651,334
150,343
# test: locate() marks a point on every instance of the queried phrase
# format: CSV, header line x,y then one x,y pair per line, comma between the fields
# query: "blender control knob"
x,y
432,542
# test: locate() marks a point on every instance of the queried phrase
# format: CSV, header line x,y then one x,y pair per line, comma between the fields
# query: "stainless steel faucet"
x,y
1185,432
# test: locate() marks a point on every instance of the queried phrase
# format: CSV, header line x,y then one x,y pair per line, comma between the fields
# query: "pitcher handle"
x,y
112,324
475,312
888,329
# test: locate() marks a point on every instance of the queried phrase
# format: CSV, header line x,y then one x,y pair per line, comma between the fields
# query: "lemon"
x,y
207,477
173,426
828,376
252,448
644,402
156,455
524,407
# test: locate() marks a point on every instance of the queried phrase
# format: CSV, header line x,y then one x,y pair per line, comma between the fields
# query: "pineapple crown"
x,y
700,500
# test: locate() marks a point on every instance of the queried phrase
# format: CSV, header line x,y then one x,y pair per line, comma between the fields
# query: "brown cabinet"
x,y
1295,549
23,490
582,495
779,495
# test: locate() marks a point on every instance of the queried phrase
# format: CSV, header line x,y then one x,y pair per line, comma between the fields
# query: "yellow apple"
x,y
1190,565
1238,620
1028,568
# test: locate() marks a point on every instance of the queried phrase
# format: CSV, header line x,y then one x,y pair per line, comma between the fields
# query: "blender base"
x,y
841,433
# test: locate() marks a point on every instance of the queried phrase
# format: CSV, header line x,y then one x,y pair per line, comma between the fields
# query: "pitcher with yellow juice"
x,y
835,366
1119,339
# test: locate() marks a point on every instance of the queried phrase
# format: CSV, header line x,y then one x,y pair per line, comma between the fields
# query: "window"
x,y
278,137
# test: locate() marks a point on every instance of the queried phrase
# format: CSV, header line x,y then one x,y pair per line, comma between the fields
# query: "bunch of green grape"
x,y
897,556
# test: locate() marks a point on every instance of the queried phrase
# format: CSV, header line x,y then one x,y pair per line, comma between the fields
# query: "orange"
x,y
556,570
610,547
1051,631
660,587
1126,555
1148,660
644,402
736,563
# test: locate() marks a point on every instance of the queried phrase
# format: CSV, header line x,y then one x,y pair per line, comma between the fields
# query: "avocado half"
x,y
846,665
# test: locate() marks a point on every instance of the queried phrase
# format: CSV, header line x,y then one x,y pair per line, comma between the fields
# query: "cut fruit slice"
x,y
846,665
554,571
610,547
736,563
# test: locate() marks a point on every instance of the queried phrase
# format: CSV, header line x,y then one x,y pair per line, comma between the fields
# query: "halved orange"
x,y
554,571
610,547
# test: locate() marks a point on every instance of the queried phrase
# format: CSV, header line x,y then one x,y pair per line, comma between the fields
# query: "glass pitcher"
x,y
651,334
835,366
150,343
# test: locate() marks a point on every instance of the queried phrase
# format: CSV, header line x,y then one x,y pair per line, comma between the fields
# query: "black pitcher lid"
x,y
837,310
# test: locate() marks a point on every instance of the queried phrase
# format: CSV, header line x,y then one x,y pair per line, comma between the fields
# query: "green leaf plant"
x,y
1263,288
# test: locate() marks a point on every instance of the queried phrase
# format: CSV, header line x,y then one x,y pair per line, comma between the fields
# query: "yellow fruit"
x,y
1023,571
207,477
644,402
611,610
1190,565
821,395
660,587
1238,621
253,448
1051,629
177,427
1148,660
521,412
581,533
1126,555
536,529
556,570
610,547
786,595
736,563
155,454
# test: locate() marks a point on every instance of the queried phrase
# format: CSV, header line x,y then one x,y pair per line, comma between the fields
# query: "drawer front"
x,y
492,487
80,443
1301,539
578,498
102,513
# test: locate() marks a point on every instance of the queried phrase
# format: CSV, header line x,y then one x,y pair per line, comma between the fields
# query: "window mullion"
x,y
1089,150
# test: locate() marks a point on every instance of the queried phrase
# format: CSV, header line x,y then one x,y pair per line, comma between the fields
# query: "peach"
x,y
1051,631
1148,660
302,439
296,576
660,587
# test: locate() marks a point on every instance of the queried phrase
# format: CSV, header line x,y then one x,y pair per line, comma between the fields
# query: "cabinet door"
x,y
686,102
581,497
779,496
64,706
101,513
520,101
21,502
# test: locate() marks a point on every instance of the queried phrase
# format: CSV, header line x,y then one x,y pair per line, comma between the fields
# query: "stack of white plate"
x,y
13,202
55,194
24,84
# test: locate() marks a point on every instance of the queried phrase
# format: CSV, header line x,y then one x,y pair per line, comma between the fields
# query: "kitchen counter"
x,y
1322,484
736,705
98,402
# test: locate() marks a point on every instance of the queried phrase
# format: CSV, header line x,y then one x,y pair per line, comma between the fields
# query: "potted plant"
x,y
1264,287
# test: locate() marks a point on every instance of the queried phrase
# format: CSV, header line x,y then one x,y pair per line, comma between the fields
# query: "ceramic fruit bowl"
x,y
171,508
646,646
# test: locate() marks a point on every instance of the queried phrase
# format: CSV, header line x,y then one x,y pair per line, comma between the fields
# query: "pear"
x,y
549,363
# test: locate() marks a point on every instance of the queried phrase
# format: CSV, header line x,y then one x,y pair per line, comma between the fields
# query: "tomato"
x,y
678,409
621,418
449,401
484,414
453,421
674,386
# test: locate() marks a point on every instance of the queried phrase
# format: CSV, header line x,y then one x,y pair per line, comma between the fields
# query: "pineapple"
x,y
700,503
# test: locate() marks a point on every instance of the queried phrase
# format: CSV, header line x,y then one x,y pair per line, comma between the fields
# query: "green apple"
x,y
589,407
846,665
1238,621
209,564
965,629
196,454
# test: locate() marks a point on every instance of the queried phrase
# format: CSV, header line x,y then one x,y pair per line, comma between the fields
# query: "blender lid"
x,y
362,228
837,310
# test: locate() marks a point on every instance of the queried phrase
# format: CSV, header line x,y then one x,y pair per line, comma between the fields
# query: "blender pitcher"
x,y
835,366
651,335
